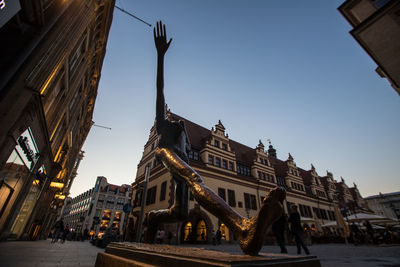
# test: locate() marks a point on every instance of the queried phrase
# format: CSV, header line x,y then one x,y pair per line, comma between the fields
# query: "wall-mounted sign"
x,y
8,8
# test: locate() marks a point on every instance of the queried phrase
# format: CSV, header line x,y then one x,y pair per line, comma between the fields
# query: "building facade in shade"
x,y
376,27
98,208
240,175
52,55
387,205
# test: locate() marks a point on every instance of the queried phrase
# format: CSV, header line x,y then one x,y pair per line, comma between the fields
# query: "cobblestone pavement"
x,y
44,253
336,255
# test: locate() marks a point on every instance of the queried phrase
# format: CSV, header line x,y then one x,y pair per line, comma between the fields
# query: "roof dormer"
x,y
219,129
260,147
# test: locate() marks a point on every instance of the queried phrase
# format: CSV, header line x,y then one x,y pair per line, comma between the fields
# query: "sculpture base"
x,y
135,254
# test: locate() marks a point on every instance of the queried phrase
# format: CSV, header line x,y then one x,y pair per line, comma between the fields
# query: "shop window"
x,y
106,215
201,231
187,231
224,231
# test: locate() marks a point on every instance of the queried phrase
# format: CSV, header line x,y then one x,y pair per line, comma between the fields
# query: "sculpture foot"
x,y
251,237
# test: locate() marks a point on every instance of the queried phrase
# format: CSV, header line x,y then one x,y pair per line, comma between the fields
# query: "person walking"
x,y
58,230
214,239
218,235
278,228
169,236
64,234
297,230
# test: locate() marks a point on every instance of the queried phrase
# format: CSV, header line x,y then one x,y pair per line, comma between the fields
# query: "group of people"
x,y
216,237
279,228
161,235
367,235
60,231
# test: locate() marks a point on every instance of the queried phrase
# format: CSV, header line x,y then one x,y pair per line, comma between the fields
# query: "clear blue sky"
x,y
288,71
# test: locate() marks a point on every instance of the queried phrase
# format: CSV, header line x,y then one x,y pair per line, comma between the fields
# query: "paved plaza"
x,y
75,253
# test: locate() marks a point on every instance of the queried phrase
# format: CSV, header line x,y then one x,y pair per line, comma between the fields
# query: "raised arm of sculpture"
x,y
160,40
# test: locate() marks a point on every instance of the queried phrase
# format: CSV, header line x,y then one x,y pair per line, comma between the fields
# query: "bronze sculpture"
x,y
172,152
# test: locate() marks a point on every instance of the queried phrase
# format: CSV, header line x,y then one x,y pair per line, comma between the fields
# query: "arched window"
x,y
201,231
187,230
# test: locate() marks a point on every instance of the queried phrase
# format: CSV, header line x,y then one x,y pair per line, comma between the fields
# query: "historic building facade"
x,y
386,205
376,27
240,175
98,208
52,55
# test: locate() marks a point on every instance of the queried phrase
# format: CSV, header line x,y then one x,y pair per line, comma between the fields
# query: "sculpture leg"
x,y
250,232
179,211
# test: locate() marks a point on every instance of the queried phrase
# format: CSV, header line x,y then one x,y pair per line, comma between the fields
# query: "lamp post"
x,y
144,196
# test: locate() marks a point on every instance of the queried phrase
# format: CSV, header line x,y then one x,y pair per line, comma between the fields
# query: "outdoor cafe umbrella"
x,y
365,217
333,224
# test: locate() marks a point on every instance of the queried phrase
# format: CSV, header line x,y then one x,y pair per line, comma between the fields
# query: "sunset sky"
x,y
288,71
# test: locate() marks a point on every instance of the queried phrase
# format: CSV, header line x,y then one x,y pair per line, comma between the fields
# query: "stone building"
x,y
240,175
98,208
376,27
52,55
386,205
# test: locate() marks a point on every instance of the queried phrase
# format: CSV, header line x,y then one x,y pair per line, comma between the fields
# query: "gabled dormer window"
x,y
216,143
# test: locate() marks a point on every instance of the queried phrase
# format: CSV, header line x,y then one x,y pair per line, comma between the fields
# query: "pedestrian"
x,y
58,230
297,230
169,236
218,235
85,234
356,233
160,236
278,228
214,240
64,234
202,235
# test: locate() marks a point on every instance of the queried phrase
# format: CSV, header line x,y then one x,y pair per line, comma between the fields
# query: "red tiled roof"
x,y
306,175
198,135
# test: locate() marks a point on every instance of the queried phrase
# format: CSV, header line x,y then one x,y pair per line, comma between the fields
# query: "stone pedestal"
x,y
134,254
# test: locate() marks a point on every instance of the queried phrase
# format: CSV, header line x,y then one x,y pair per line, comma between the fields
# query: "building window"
x,y
224,164
231,198
216,143
253,202
218,162
194,155
250,201
210,159
230,166
222,193
151,195
243,170
163,190
240,204
224,146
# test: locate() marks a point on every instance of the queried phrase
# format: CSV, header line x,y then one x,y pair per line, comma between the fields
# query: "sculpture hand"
x,y
160,39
